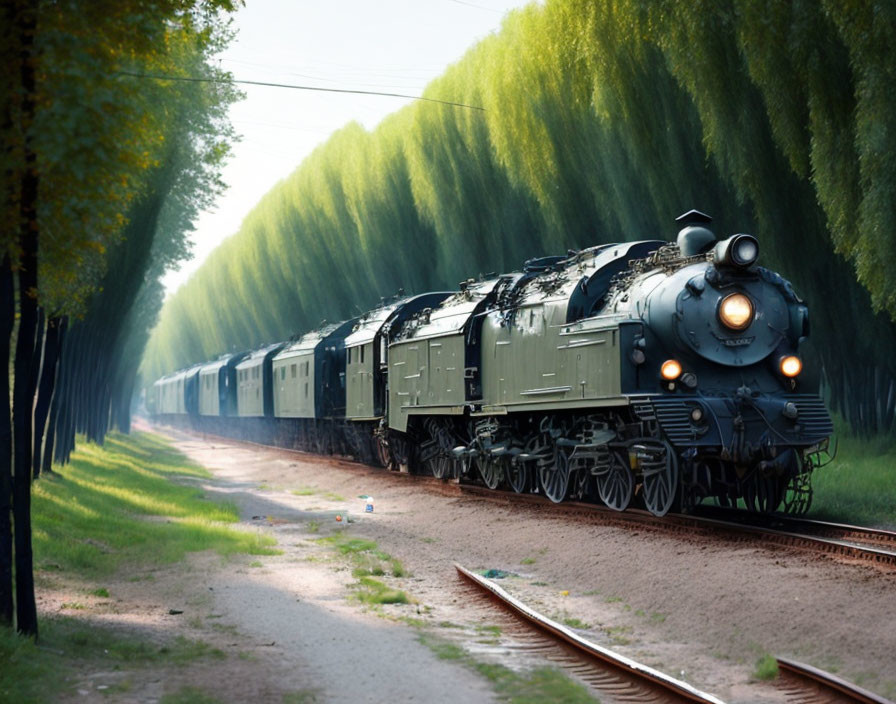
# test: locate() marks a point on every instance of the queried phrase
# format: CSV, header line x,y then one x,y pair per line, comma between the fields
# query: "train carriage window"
x,y
348,356
282,372
306,370
306,389
362,353
292,371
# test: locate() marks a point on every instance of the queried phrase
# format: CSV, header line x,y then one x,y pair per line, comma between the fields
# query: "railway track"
x,y
616,678
623,680
867,545
803,684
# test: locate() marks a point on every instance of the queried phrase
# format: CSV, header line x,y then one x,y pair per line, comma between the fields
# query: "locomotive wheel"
x,y
554,477
615,485
583,484
438,462
491,471
798,495
763,494
384,453
661,487
439,466
518,477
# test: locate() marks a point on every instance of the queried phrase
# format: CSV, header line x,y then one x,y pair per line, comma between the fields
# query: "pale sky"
x,y
388,45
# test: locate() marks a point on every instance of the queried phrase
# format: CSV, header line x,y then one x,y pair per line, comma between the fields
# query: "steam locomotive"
x,y
650,373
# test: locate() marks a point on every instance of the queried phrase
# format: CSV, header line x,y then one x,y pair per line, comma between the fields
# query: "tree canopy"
x,y
102,177
602,122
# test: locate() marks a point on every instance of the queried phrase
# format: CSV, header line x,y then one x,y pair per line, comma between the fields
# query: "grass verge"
x,y
368,562
112,508
857,487
68,646
543,684
766,668
117,504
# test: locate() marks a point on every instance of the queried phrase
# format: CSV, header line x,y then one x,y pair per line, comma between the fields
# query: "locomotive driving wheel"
x,y
763,494
659,470
438,458
491,470
518,476
615,483
554,477
583,484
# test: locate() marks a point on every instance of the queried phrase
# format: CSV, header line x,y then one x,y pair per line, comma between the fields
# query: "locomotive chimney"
x,y
694,237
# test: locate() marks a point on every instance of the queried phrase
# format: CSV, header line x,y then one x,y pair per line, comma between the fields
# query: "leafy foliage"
x,y
602,122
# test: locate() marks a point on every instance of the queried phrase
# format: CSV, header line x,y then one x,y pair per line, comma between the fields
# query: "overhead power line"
x,y
198,79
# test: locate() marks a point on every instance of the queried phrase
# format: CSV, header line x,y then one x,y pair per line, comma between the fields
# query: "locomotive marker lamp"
x,y
791,366
670,370
736,311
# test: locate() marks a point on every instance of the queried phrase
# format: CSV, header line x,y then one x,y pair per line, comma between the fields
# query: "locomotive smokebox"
x,y
694,238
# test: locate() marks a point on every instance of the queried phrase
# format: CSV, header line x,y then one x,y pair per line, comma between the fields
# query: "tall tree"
x,y
602,122
91,158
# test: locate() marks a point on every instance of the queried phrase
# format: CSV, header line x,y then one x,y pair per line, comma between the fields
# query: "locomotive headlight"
x,y
739,251
791,366
745,250
736,311
670,370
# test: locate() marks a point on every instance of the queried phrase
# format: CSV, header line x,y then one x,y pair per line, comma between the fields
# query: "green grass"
x,y
543,684
305,491
369,561
527,561
189,695
113,508
366,556
31,674
766,668
117,504
857,487
576,623
372,591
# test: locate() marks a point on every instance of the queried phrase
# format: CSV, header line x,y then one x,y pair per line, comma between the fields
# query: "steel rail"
x,y
681,691
828,687
840,539
679,522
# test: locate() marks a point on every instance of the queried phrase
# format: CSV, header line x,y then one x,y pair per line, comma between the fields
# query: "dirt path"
x,y
703,610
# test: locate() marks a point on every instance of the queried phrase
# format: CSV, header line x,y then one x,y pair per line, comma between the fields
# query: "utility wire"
x,y
470,4
195,79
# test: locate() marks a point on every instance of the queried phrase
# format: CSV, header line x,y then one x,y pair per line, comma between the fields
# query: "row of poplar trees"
x,y
602,121
103,173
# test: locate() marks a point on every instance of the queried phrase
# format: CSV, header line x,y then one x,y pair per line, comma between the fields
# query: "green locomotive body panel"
x,y
433,363
359,369
540,361
250,388
362,359
253,381
209,399
294,384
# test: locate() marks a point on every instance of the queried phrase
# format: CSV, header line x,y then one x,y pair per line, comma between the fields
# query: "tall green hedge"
x,y
602,122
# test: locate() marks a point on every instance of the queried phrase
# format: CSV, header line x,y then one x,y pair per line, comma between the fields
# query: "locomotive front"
x,y
719,372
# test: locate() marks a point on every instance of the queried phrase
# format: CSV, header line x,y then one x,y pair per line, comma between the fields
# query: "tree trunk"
x,y
47,387
7,317
23,395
